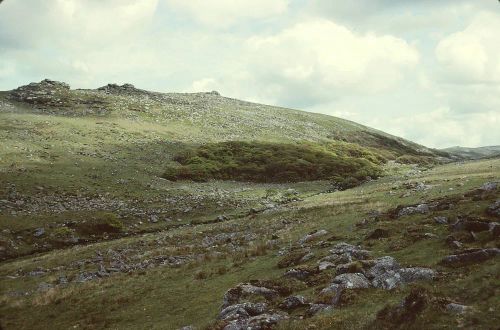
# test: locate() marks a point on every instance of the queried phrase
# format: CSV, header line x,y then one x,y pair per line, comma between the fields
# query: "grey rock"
x,y
352,281
334,291
441,220
39,232
259,322
489,186
243,310
457,308
409,210
234,295
381,266
324,265
413,274
293,302
388,280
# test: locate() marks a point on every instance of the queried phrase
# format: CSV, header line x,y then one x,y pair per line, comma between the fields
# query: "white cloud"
x,y
472,56
223,13
322,59
443,128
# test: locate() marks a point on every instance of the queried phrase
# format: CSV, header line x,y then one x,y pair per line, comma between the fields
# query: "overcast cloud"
x,y
425,70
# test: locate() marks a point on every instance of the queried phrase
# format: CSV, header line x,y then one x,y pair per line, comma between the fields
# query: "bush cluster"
x,y
275,162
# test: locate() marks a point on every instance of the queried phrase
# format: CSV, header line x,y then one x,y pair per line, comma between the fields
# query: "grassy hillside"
x,y
143,209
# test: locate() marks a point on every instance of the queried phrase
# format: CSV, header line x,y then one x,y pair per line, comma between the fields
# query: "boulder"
x,y
245,290
413,274
381,266
334,292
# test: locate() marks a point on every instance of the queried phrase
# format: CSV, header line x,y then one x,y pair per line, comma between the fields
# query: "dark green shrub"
x,y
273,162
103,222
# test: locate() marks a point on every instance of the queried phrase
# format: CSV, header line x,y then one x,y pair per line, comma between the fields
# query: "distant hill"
x,y
474,153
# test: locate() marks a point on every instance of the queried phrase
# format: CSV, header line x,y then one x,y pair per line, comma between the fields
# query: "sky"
x,y
425,70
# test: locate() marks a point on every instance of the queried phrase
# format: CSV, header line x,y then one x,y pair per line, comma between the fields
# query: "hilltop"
x,y
162,210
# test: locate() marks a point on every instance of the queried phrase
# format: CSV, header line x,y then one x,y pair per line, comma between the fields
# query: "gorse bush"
x,y
273,162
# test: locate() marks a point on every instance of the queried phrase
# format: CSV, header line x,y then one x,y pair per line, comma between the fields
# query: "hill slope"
x,y
474,153
88,219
